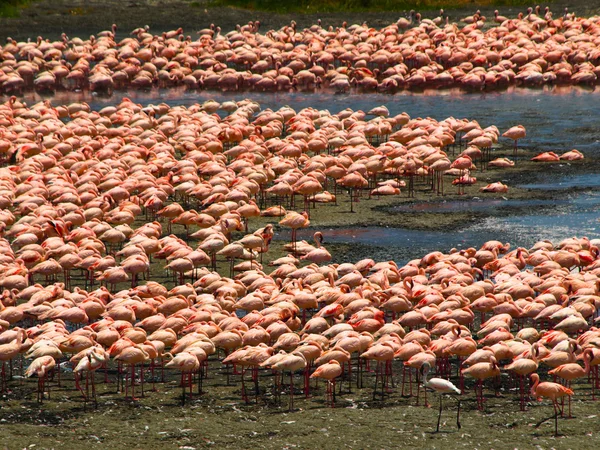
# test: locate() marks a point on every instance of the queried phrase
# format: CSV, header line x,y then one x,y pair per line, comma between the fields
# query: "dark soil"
x,y
50,18
220,419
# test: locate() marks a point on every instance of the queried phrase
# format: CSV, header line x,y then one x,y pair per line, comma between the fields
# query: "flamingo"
x,y
91,362
383,352
291,363
9,351
329,371
187,364
522,367
295,221
40,367
550,390
441,386
132,355
573,371
482,371
515,133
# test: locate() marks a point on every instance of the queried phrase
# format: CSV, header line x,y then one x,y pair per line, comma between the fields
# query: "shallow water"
x,y
475,205
588,180
576,216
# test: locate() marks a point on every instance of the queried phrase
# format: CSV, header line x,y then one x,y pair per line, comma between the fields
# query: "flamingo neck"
x,y
586,362
534,387
425,375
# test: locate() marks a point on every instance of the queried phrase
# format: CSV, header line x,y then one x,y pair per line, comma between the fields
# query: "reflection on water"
x,y
588,180
475,205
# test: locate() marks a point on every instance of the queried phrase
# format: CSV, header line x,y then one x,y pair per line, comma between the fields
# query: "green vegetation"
x,y
219,419
12,8
323,6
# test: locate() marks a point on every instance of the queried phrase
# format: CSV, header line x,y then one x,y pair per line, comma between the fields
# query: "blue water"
x,y
588,180
475,205
576,216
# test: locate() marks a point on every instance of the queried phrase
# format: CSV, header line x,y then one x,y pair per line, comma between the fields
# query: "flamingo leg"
x,y
182,390
359,383
291,391
522,391
87,385
333,393
418,386
569,385
40,394
556,409
244,396
93,375
439,415
376,380
133,382
142,378
126,383
45,378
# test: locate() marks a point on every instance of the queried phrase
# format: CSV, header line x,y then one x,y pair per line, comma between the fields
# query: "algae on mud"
x,y
220,419
50,18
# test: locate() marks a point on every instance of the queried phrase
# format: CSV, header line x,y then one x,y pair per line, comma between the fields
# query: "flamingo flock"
x,y
531,49
91,201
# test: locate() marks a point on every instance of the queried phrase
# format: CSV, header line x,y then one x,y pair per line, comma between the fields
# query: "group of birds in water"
x,y
531,49
90,197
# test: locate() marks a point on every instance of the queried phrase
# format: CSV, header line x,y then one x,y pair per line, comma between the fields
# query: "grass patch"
x,y
12,8
341,6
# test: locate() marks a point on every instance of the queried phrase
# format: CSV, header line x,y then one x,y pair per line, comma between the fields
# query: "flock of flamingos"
x,y
491,53
91,201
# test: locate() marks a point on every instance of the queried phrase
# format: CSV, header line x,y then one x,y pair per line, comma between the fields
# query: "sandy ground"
x,y
50,18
